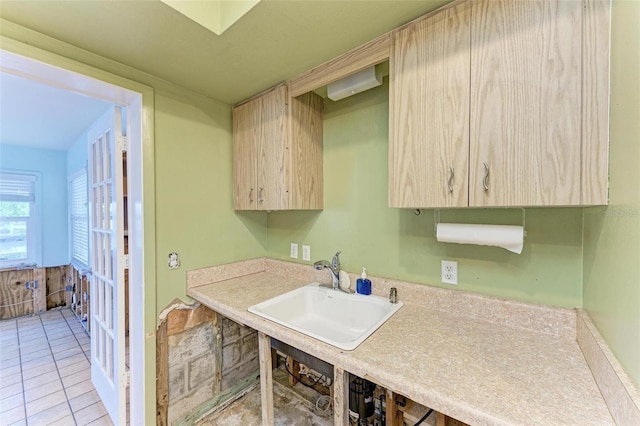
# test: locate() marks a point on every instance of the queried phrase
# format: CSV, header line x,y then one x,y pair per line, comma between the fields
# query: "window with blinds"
x,y
18,226
79,219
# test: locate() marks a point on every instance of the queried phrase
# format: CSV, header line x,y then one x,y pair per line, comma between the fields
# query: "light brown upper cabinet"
x,y
535,128
429,111
277,152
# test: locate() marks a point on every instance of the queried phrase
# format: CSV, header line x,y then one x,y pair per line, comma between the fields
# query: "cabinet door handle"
x,y
485,180
260,199
450,179
250,195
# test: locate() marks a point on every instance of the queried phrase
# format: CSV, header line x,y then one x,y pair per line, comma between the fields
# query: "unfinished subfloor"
x,y
45,372
296,406
292,406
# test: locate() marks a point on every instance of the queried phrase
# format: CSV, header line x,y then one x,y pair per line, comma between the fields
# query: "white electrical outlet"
x,y
294,251
306,253
449,272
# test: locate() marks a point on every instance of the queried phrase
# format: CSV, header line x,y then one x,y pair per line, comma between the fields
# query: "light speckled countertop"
x,y
476,371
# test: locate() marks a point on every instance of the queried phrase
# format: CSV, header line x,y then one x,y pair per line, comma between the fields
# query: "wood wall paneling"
x,y
80,293
55,287
162,375
68,281
15,299
40,293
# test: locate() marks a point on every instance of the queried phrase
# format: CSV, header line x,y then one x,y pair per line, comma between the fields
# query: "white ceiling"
x,y
40,116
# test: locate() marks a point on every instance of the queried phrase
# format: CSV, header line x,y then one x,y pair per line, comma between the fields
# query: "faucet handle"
x,y
393,295
336,260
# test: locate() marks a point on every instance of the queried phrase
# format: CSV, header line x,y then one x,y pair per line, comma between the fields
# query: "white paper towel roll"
x,y
505,236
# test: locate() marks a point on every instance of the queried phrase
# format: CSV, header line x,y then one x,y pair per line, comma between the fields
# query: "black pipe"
x,y
424,417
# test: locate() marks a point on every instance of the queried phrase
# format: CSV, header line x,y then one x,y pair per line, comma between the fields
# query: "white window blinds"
x,y
17,187
18,226
78,216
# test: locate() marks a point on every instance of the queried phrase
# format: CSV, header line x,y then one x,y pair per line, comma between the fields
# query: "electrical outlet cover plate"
x,y
174,261
306,253
449,272
293,253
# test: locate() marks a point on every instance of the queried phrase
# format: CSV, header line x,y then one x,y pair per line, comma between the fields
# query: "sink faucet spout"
x,y
333,267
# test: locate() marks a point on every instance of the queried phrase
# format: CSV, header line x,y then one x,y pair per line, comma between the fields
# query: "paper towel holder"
x,y
436,221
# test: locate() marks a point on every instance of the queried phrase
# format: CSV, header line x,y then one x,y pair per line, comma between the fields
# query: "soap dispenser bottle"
x,y
363,284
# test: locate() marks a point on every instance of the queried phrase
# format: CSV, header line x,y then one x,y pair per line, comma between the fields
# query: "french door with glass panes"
x,y
108,262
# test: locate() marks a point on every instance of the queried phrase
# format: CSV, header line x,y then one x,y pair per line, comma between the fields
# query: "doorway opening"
x,y
108,239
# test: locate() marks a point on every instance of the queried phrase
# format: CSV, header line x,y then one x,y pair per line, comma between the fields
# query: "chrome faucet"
x,y
334,270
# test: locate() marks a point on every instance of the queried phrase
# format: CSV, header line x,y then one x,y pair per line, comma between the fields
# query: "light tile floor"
x,y
45,372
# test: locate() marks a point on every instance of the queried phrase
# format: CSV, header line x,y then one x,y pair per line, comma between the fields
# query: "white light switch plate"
x,y
293,253
306,253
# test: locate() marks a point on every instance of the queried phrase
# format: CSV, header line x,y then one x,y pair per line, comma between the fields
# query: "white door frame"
x,y
47,68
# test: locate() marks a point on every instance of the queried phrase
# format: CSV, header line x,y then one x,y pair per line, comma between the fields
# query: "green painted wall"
x,y
192,158
612,234
398,244
194,198
187,178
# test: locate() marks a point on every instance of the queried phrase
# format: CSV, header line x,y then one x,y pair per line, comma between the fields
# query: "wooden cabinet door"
x,y
525,122
272,151
264,157
429,112
246,134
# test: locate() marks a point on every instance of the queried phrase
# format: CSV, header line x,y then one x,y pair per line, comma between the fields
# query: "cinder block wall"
x,y
192,361
239,353
204,360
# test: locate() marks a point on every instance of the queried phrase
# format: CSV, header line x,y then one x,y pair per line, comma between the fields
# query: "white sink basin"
x,y
339,319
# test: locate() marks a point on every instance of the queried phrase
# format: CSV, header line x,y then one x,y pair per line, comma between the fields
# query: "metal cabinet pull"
x,y
260,199
485,180
250,197
450,179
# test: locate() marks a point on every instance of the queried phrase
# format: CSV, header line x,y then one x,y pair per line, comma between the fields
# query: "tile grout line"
x,y
76,337
64,389
24,398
